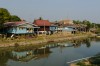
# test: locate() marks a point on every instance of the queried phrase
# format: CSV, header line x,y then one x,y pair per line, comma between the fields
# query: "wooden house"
x,y
70,29
44,26
19,28
53,27
67,26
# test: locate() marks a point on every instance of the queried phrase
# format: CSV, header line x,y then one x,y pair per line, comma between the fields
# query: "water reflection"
x,y
78,43
4,57
25,54
32,54
97,39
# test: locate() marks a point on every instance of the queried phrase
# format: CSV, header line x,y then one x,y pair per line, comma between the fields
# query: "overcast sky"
x,y
54,9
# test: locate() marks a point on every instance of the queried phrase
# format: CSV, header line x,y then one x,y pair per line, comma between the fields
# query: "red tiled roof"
x,y
42,22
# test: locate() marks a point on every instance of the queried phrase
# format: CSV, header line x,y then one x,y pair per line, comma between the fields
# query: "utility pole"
x,y
44,31
94,28
44,28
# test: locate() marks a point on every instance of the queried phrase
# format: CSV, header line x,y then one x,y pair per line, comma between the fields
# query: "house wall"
x,y
53,28
69,29
18,30
42,28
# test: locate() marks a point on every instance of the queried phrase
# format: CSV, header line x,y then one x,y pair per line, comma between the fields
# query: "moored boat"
x,y
98,36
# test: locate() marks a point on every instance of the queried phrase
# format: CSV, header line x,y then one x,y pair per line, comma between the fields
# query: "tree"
x,y
88,23
40,18
1,20
15,18
6,17
98,25
5,14
77,22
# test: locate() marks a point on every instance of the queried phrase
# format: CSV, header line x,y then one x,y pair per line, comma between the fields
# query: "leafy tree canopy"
x,y
5,16
15,18
85,22
40,18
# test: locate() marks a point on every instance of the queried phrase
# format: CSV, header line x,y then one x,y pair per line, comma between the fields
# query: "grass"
x,y
40,38
80,64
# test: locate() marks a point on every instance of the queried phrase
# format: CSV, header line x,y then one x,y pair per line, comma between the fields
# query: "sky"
x,y
54,10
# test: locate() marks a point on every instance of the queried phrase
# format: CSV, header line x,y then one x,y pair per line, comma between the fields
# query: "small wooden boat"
x,y
98,36
66,45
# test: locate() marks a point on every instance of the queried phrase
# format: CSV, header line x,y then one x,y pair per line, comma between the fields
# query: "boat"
x,y
98,36
66,45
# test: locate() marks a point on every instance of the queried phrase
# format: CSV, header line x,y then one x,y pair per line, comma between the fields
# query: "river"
x,y
52,54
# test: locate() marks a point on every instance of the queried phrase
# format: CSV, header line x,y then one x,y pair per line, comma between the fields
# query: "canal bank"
x,y
88,61
44,39
58,56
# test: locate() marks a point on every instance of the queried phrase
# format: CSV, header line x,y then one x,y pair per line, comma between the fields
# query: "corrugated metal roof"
x,y
10,24
14,23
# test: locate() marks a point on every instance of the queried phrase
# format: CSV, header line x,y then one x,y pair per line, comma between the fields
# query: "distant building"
x,y
66,22
66,26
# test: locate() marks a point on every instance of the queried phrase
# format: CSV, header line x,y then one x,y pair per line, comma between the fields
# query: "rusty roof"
x,y
42,23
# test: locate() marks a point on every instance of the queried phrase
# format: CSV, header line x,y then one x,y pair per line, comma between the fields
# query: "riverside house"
x,y
81,27
67,26
22,27
53,27
44,26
